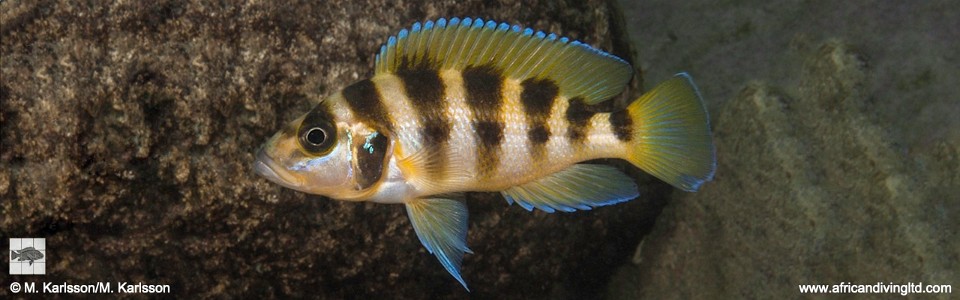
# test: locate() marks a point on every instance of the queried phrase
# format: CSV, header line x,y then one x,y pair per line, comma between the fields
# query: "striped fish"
x,y
466,105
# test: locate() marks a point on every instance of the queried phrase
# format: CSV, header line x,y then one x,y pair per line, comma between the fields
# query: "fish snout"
x,y
265,166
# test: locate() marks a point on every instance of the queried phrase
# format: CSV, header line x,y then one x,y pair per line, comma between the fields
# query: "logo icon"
x,y
28,256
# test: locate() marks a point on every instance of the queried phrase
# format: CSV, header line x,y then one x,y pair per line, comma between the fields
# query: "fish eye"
x,y
317,139
315,136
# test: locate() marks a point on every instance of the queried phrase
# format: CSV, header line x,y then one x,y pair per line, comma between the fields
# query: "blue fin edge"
x,y
478,22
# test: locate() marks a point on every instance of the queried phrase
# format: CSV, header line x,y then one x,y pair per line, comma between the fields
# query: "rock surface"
x,y
127,132
839,151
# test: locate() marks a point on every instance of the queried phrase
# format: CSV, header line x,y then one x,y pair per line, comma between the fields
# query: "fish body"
x,y
28,253
467,105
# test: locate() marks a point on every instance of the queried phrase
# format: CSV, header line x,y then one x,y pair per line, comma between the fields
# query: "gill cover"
x,y
370,156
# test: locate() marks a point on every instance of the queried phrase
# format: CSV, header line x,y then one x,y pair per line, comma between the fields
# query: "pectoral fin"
x,y
428,171
441,225
581,186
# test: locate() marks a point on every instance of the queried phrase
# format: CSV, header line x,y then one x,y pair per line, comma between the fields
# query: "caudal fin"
x,y
671,135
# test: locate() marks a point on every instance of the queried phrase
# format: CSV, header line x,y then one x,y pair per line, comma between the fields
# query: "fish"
x,y
28,253
467,105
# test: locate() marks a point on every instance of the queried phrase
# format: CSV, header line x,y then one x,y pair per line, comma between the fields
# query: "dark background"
x,y
128,133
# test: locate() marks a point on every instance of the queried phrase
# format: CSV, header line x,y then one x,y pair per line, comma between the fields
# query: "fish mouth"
x,y
266,167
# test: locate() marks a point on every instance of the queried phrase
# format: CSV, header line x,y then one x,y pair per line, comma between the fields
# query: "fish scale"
x,y
464,105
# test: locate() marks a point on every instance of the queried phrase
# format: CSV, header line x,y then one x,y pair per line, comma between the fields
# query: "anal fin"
x,y
581,186
441,225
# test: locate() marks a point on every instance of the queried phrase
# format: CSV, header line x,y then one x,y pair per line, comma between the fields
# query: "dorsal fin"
x,y
576,68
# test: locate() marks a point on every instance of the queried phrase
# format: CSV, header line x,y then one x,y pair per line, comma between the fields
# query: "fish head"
x,y
308,154
321,154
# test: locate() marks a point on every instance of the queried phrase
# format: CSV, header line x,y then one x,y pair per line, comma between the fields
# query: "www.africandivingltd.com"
x,y
876,288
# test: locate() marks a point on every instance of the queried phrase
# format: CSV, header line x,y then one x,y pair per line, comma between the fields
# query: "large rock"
x,y
809,190
838,145
127,131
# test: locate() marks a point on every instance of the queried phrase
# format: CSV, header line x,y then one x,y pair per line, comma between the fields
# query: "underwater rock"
x,y
127,133
809,190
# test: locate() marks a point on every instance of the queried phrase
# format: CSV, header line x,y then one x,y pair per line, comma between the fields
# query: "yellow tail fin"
x,y
671,134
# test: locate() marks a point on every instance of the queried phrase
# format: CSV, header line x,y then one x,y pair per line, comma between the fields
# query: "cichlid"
x,y
466,105
28,253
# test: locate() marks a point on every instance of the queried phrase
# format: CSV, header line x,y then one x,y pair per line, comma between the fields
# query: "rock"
x,y
809,190
127,132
